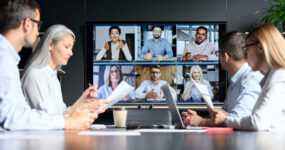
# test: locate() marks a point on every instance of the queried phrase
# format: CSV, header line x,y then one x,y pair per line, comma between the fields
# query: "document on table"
x,y
110,133
171,130
118,94
205,93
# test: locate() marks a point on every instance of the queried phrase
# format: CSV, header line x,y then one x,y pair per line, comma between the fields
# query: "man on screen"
x,y
150,89
157,47
244,89
200,49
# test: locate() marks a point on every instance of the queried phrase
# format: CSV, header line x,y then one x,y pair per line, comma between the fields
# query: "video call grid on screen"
x,y
174,71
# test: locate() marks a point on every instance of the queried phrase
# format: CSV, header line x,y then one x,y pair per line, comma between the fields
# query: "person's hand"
x,y
161,95
151,95
79,119
94,92
106,46
186,56
121,45
160,57
219,116
126,98
200,57
148,56
186,118
194,119
95,105
87,96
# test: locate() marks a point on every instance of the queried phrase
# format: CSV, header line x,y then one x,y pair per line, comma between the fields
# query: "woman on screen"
x,y
113,76
116,49
40,85
190,91
265,49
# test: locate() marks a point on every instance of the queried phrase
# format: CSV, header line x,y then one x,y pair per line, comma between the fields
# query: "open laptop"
x,y
175,115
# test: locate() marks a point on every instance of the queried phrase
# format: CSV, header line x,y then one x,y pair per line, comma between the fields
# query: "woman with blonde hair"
x,y
190,91
265,49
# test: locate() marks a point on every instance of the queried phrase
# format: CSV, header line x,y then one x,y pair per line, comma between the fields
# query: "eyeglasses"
x,y
155,72
244,48
219,52
114,71
40,23
156,31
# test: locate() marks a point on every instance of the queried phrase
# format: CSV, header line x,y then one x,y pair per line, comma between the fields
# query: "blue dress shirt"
x,y
104,91
15,113
243,92
161,47
147,86
195,94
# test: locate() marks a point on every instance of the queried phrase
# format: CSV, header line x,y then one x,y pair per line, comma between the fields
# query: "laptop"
x,y
176,118
175,115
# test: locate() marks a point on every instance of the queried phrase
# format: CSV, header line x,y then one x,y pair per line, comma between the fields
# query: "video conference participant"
x,y
244,89
190,91
156,48
116,49
200,49
113,76
40,84
265,52
19,25
151,89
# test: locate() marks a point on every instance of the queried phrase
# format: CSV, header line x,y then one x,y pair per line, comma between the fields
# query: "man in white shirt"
x,y
151,89
200,49
19,25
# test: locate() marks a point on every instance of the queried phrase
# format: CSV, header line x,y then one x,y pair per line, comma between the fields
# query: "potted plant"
x,y
275,14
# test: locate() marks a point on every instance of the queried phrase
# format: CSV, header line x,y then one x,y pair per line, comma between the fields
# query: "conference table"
x,y
57,140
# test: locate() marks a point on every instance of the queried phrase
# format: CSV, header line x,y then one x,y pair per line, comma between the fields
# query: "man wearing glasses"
x,y
19,27
244,87
150,89
200,49
156,48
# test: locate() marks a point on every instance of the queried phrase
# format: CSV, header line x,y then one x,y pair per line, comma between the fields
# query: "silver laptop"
x,y
175,115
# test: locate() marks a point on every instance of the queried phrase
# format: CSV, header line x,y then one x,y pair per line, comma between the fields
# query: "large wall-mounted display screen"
x,y
148,55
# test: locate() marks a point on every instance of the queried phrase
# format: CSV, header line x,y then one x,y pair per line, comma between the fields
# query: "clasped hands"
x,y
198,57
154,95
121,45
149,56
191,118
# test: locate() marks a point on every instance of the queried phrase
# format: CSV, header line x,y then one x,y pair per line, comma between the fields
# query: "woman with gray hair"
x,y
190,91
39,81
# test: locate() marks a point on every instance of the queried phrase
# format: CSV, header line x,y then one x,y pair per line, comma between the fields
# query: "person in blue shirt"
x,y
156,48
113,76
190,91
151,89
244,88
19,27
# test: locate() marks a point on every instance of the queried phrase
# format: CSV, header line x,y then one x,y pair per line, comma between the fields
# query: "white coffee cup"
x,y
120,117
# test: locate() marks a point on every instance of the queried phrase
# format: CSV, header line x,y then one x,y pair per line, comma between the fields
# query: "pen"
x,y
89,84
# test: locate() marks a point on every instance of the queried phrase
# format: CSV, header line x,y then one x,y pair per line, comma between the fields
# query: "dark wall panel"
x,y
72,14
